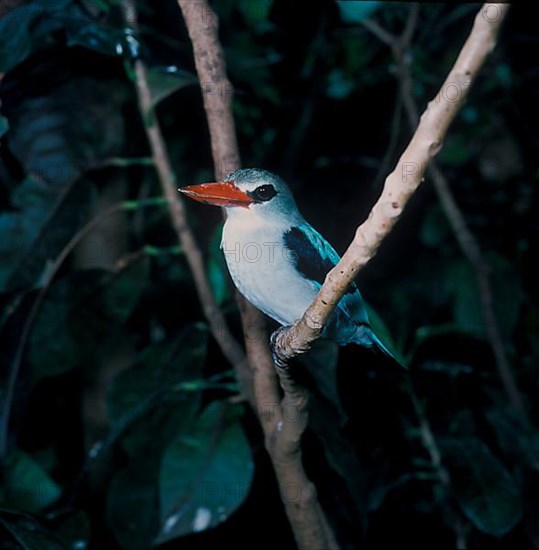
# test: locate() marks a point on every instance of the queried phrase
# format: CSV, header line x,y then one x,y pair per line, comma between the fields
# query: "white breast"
x,y
263,270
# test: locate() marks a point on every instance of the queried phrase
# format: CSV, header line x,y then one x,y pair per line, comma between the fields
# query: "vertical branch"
x,y
216,320
202,25
282,434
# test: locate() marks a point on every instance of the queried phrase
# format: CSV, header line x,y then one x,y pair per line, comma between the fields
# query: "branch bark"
x,y
282,433
399,186
228,344
465,238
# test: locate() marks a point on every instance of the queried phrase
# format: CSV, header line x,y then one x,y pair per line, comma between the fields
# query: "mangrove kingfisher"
x,y
276,259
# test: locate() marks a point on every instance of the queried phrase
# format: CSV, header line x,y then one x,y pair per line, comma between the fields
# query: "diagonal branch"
x,y
399,186
465,238
229,346
282,432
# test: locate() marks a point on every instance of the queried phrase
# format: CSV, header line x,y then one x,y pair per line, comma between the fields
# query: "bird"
x,y
276,259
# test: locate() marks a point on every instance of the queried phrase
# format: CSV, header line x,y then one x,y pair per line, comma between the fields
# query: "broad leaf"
x,y
164,81
133,495
30,27
435,229
149,425
27,485
72,527
205,475
161,367
256,13
326,422
462,286
322,362
38,230
79,311
83,31
487,493
26,28
518,440
132,509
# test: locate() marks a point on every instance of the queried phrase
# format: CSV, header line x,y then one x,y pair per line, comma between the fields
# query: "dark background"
x,y
437,458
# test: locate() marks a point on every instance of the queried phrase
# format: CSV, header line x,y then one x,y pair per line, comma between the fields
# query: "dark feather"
x,y
312,261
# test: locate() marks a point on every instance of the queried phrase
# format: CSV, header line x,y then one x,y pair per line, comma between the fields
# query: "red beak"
x,y
225,193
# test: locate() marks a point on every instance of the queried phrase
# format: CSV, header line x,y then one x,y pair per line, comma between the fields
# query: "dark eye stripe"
x,y
263,193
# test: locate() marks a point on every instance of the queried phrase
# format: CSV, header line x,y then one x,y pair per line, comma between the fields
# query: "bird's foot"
x,y
284,347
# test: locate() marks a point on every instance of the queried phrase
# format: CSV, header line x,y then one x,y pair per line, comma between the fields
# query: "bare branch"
x,y
465,238
399,186
283,434
229,346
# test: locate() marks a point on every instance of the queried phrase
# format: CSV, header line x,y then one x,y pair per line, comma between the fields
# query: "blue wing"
x,y
313,257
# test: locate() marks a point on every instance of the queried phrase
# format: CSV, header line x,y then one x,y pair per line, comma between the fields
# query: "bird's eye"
x,y
264,193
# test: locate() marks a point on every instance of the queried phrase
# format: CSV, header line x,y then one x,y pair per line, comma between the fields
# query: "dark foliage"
x,y
120,427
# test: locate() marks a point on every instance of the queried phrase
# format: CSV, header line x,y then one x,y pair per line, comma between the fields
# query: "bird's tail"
x,y
366,337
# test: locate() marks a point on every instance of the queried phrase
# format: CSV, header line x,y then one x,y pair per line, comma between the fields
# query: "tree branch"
x,y
399,186
282,431
465,238
229,346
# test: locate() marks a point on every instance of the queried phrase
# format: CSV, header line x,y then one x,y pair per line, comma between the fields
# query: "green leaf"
x,y
338,449
25,29
217,270
381,330
518,441
164,81
149,425
82,31
355,11
487,493
121,289
27,485
205,475
132,509
256,13
161,367
34,234
457,150
30,27
4,125
27,533
435,229
72,527
133,495
322,362
79,311
461,284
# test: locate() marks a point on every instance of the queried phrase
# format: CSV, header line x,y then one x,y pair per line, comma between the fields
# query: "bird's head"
x,y
257,191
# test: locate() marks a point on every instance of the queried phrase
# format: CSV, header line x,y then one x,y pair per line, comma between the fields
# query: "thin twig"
x,y
465,238
29,321
229,346
428,439
399,186
282,432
